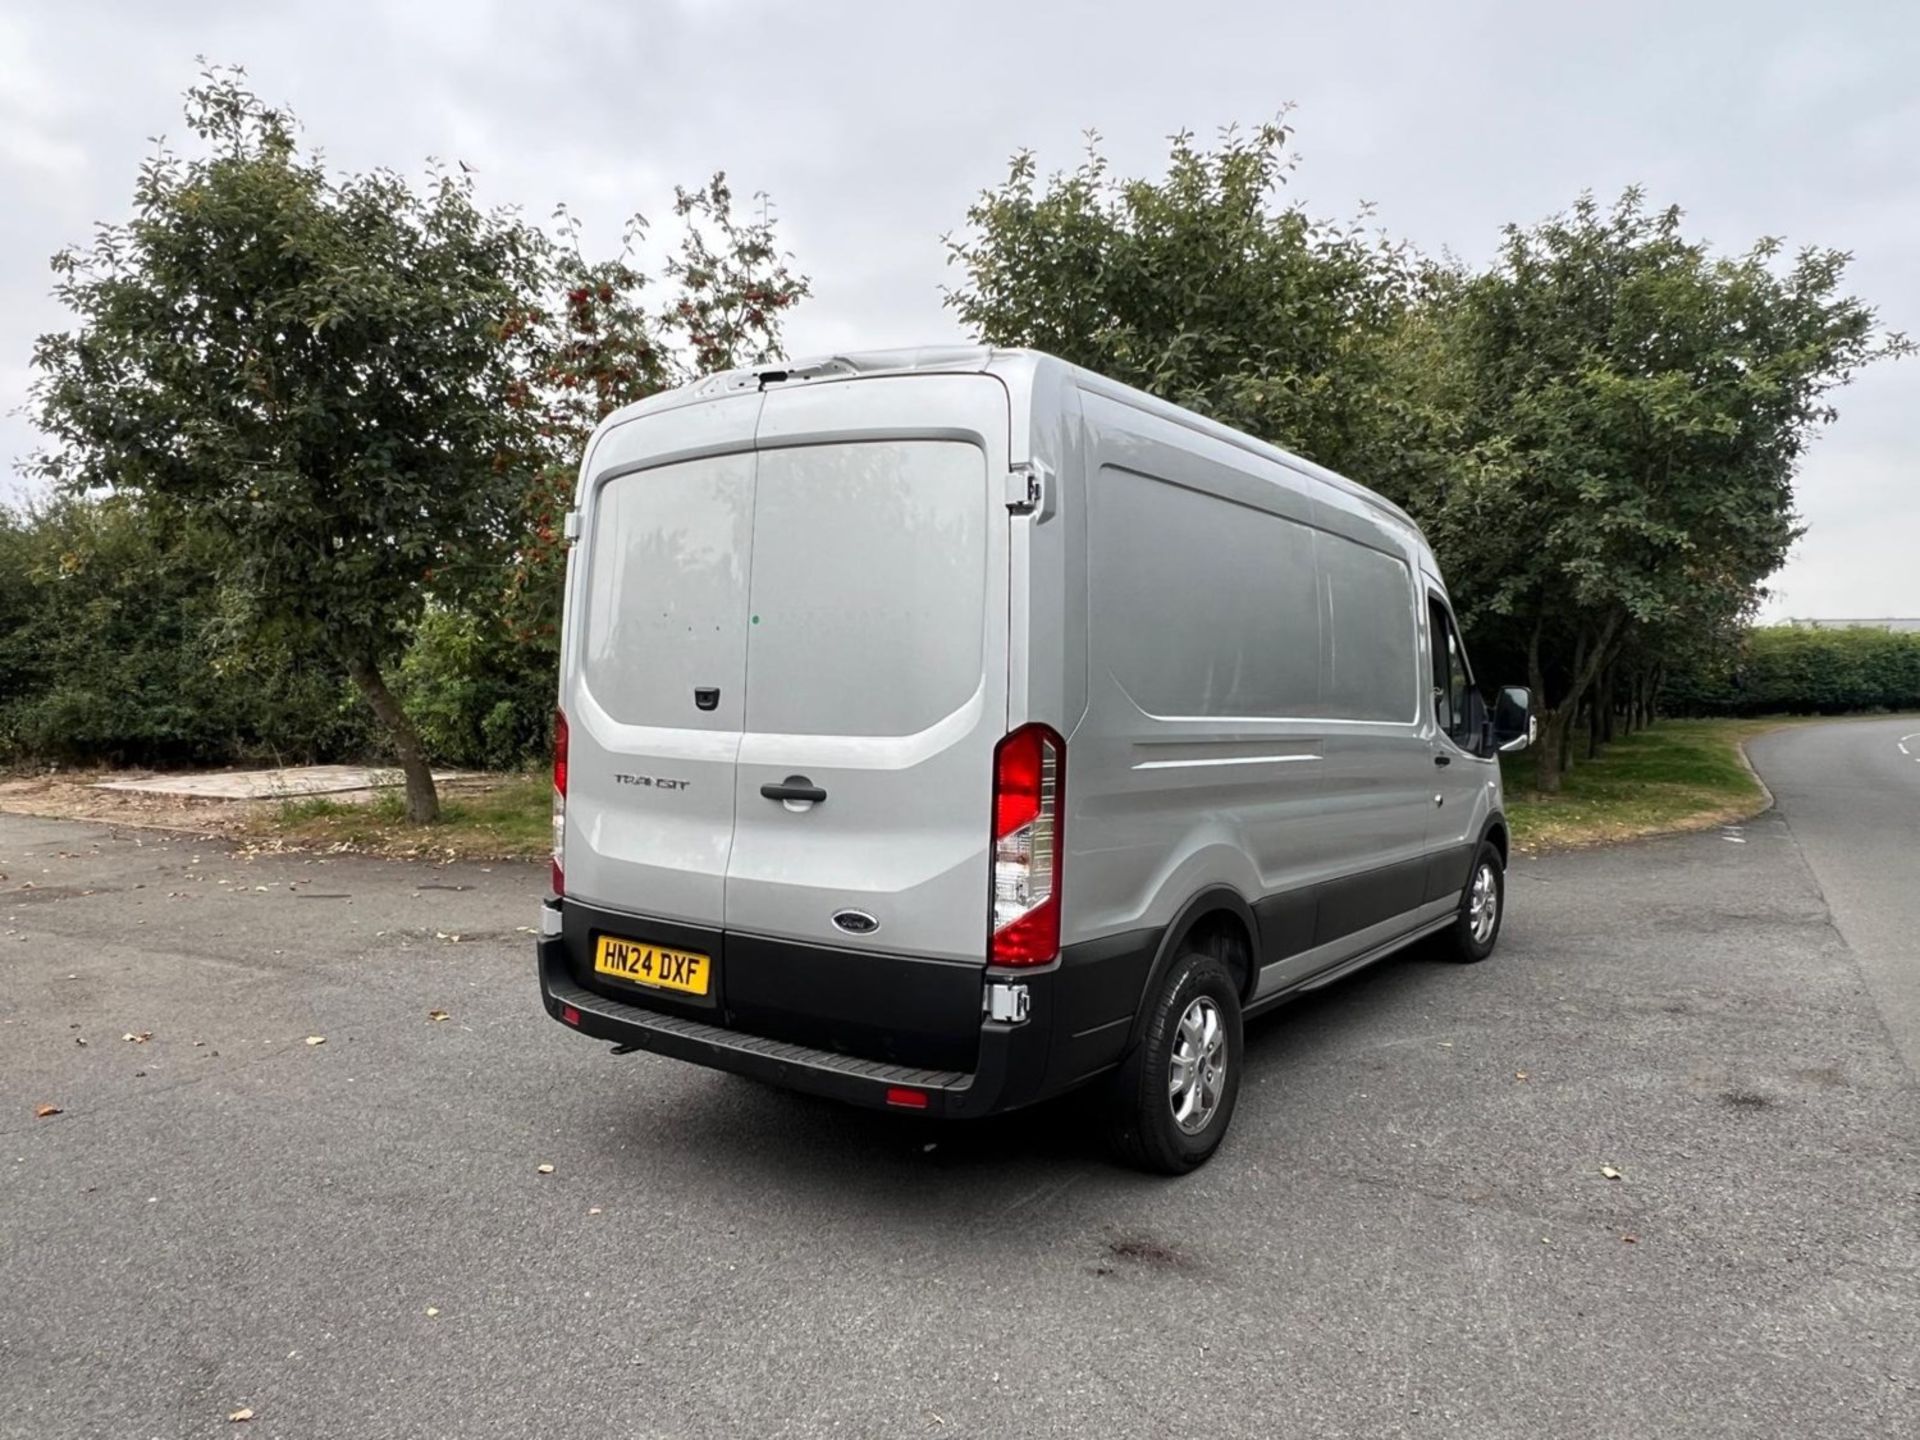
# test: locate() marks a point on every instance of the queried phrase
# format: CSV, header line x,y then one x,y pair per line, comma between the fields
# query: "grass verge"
x,y
508,819
1679,775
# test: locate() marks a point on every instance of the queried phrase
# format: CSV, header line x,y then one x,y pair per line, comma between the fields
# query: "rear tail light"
x,y
559,802
1029,791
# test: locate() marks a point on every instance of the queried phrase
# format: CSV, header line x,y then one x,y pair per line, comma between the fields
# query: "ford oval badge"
x,y
855,922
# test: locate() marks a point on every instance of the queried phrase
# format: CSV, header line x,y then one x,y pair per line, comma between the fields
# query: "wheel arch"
x,y
1496,831
1218,917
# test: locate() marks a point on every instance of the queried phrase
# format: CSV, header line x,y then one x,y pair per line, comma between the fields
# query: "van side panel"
x,y
1373,831
1185,772
1254,700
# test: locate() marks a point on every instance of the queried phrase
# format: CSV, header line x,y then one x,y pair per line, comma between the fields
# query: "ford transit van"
x,y
942,730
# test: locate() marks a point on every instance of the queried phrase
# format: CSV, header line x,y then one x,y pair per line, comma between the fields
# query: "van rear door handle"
x,y
1443,759
794,787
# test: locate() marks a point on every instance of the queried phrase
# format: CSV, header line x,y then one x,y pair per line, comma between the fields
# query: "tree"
x,y
317,363
1647,402
600,347
1198,287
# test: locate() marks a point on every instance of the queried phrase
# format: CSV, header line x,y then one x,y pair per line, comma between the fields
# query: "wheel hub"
x,y
1197,1075
1483,903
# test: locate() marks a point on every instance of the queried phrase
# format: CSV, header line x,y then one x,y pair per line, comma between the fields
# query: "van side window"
x,y
1450,678
1368,661
1240,640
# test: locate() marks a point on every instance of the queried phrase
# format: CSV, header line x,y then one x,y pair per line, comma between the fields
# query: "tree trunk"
x,y
1556,754
1546,757
423,803
1603,707
1555,727
1630,712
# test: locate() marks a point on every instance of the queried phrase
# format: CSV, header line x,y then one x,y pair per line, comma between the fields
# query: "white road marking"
x,y
1902,742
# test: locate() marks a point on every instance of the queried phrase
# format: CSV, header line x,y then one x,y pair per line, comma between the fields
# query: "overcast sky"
x,y
873,125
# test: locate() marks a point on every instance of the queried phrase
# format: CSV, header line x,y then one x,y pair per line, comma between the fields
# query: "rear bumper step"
x,y
950,1093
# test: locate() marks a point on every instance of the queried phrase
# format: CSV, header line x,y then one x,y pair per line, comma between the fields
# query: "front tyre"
x,y
1483,907
1173,1097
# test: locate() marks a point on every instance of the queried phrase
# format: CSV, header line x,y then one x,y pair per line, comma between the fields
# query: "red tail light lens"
x,y
559,802
1029,795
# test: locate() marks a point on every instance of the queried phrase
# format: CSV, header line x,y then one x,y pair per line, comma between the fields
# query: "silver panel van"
x,y
941,730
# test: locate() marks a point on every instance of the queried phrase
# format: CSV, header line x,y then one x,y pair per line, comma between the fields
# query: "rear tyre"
x,y
1483,908
1173,1097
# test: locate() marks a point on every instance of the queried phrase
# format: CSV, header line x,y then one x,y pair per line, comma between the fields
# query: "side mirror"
x,y
1514,723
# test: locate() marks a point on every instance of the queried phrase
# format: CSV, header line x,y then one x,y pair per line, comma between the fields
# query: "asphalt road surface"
x,y
1409,1233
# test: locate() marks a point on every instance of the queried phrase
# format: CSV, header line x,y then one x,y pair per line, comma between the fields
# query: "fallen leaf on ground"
x,y
593,1210
1629,1239
1609,1172
41,1112
240,1416
436,1015
80,1040
432,1310
138,1037
316,1039
545,1169
1519,1074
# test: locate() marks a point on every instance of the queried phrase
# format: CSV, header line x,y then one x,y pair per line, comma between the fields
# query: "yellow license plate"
x,y
656,966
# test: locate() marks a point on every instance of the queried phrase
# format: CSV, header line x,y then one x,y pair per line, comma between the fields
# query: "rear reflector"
x,y
906,1099
570,1015
1029,789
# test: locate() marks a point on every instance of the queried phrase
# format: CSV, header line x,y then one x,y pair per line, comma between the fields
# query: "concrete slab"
x,y
273,784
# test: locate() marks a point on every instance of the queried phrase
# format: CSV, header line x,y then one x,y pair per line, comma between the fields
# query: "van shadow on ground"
x,y
794,1141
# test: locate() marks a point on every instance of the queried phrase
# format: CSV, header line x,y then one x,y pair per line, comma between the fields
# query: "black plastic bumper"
x,y
949,1093
1077,1024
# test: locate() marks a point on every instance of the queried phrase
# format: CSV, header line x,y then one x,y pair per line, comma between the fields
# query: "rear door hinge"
x,y
1030,489
570,527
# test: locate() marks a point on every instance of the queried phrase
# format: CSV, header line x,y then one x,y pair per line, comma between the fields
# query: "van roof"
x,y
1015,365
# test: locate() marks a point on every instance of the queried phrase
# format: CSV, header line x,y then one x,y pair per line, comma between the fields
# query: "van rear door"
x,y
654,689
876,678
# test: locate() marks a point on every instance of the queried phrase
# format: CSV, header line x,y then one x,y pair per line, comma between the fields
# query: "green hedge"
x,y
1794,670
119,644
